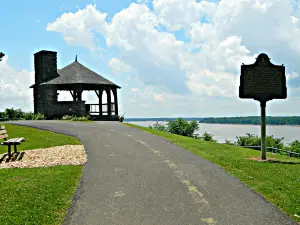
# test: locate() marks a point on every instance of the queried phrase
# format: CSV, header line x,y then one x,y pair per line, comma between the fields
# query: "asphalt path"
x,y
135,178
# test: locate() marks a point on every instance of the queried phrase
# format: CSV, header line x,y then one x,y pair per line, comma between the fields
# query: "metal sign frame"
x,y
263,65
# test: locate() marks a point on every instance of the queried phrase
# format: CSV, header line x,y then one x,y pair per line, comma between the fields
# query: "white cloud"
x,y
158,98
14,87
216,83
177,14
117,66
78,28
292,75
223,35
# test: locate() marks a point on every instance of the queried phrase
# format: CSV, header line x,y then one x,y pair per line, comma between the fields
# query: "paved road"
x,y
135,178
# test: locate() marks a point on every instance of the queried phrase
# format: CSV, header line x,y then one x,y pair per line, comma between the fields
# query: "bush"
x,y
251,140
67,117
159,126
294,146
274,142
38,116
207,137
182,127
18,114
179,127
248,140
229,142
88,116
75,118
121,118
12,114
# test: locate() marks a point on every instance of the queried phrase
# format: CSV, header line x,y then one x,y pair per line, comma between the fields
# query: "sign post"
x,y
263,81
263,130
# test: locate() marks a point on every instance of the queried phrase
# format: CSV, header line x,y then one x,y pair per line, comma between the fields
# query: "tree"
x,y
1,56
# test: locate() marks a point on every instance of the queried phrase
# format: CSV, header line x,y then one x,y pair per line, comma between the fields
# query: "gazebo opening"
x,y
104,103
64,96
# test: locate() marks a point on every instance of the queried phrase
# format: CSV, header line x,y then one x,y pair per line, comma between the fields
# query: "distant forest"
x,y
253,120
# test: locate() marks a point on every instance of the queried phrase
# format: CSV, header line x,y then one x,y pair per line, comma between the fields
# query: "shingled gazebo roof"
x,y
76,73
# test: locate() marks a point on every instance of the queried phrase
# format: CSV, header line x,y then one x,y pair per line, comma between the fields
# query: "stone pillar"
x,y
79,96
108,102
73,93
100,102
79,93
115,92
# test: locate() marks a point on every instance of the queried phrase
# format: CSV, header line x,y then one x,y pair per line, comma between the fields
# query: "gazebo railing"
x,y
94,108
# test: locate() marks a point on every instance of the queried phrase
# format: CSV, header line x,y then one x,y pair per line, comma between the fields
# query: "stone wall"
x,y
44,96
45,102
67,108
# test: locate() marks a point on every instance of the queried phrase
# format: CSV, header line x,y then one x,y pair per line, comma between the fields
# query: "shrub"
x,y
182,127
12,114
274,142
121,118
28,116
252,140
229,142
159,126
295,146
38,116
81,118
88,117
75,118
248,140
207,137
18,114
66,117
179,127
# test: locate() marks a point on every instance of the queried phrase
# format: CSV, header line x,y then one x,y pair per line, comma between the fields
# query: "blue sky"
x,y
171,57
26,31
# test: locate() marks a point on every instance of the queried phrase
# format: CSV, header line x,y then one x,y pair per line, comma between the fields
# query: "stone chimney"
x,y
45,66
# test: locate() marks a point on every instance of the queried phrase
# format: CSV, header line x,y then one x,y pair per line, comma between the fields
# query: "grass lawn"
x,y
279,183
37,195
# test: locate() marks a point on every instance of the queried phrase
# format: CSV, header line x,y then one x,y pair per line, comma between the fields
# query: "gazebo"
x,y
74,78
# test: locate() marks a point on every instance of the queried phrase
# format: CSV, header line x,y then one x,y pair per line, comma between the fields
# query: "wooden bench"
x,y
10,142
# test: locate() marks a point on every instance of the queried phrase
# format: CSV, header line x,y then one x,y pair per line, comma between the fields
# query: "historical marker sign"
x,y
263,81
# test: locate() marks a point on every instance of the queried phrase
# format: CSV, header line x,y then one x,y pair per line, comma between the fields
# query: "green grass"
x,y
37,195
279,183
35,138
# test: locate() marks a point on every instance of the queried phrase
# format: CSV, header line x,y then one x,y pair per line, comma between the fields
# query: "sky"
x,y
172,58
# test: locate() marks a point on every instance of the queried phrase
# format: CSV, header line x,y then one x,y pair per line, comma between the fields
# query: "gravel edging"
x,y
44,157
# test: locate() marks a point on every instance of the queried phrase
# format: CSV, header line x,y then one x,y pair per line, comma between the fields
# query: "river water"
x,y
221,132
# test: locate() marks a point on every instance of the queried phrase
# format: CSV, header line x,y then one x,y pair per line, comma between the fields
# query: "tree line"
x,y
253,120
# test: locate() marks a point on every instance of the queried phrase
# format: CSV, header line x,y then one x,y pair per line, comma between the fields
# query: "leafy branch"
x,y
1,56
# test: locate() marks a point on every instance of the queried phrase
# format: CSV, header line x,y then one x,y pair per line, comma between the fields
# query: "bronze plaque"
x,y
263,81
